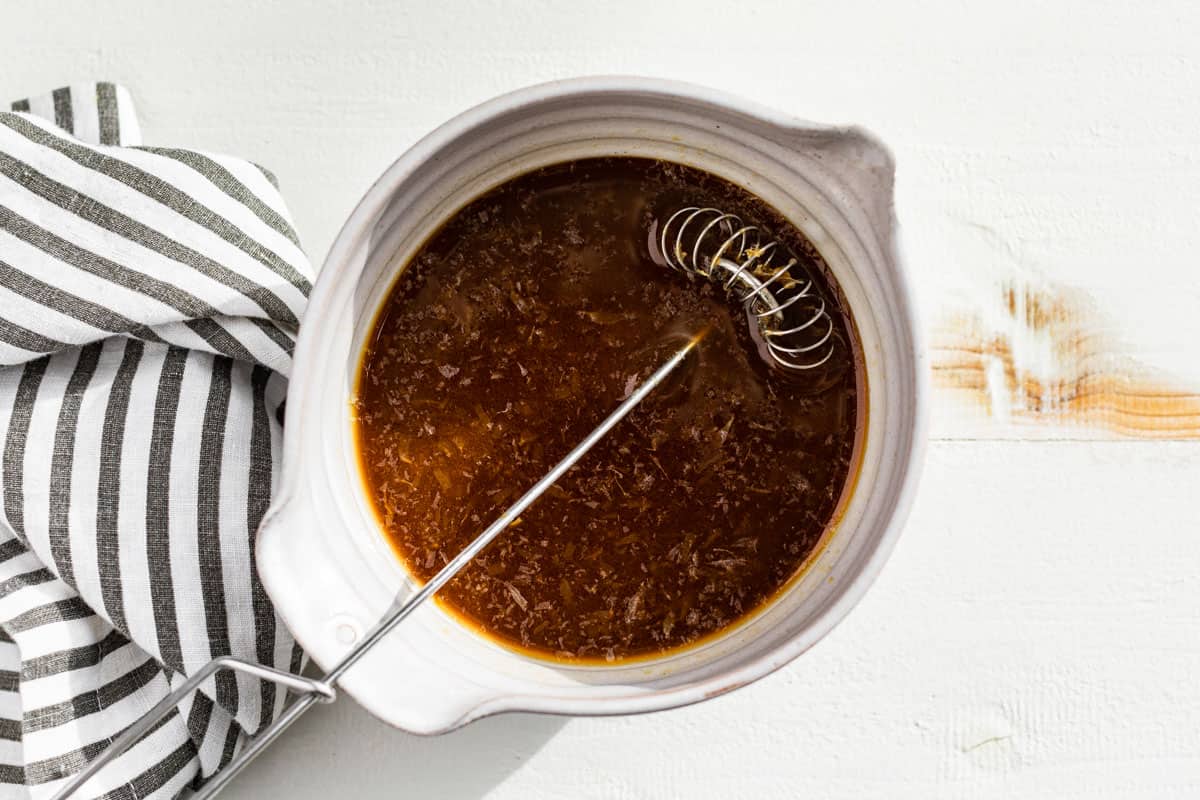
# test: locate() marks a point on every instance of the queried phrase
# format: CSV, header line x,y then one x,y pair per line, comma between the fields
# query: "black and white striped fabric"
x,y
149,300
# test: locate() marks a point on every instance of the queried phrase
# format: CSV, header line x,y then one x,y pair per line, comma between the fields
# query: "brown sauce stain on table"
x,y
517,328
1093,383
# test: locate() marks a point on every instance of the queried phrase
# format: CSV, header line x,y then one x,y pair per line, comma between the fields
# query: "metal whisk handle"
x,y
315,690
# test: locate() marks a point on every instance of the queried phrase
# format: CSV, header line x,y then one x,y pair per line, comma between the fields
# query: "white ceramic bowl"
x,y
321,555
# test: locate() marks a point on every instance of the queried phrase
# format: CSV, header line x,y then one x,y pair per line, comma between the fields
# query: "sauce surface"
x,y
513,332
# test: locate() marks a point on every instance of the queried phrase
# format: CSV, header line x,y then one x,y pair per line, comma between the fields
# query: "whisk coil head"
x,y
761,273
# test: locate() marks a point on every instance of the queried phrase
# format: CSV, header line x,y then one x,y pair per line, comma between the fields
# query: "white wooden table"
x,y
1037,633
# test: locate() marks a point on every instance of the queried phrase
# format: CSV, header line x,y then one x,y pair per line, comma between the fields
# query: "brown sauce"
x,y
514,331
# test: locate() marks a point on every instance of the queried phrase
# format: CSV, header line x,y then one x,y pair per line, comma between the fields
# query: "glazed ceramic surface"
x,y
322,558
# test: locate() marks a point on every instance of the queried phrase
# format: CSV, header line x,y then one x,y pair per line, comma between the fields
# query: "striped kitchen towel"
x,y
149,299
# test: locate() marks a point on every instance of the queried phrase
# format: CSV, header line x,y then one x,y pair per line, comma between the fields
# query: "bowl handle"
x,y
859,173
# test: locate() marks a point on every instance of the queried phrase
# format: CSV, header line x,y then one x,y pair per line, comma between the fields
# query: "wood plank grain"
x,y
1041,362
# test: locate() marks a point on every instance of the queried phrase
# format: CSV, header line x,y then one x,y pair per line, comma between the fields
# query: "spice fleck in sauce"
x,y
513,332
